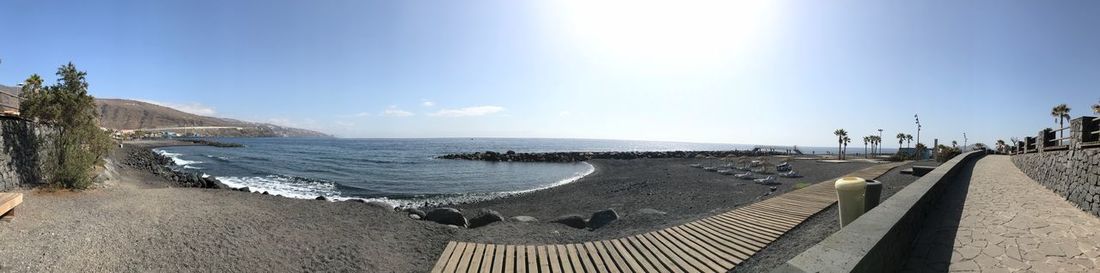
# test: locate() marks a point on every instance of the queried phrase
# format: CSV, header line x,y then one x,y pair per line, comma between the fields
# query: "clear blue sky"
x,y
768,72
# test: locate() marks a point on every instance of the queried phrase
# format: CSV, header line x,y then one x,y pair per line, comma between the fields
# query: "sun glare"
x,y
681,32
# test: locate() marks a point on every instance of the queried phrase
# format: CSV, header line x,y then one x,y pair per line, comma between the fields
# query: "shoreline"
x,y
440,200
171,228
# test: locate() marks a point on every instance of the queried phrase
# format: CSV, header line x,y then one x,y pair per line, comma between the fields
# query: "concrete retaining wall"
x,y
879,241
1073,174
22,152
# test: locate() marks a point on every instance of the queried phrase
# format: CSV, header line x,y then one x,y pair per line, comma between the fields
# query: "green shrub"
x,y
78,144
945,153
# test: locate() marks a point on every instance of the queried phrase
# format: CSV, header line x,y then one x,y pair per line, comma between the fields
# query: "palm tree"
x,y
840,134
846,141
1060,112
901,138
875,140
866,139
32,84
908,140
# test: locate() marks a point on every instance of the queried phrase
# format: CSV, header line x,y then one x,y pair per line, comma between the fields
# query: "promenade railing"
x,y
9,103
1082,132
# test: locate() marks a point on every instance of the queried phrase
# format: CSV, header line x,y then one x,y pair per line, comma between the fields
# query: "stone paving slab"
x,y
996,219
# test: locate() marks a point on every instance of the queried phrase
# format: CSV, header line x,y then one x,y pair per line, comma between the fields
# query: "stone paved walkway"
x,y
999,220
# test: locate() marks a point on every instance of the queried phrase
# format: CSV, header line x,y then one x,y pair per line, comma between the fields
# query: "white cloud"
x,y
427,103
361,115
393,111
193,108
468,111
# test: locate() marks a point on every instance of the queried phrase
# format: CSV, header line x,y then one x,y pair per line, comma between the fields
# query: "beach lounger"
x,y
770,180
790,174
8,202
746,175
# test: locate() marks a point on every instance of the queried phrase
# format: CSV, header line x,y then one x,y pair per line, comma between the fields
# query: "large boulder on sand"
x,y
485,217
602,218
572,220
447,216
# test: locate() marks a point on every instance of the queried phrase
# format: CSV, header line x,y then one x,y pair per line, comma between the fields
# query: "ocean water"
x,y
398,171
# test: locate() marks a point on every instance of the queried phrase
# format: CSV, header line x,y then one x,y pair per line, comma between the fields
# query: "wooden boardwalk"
x,y
713,244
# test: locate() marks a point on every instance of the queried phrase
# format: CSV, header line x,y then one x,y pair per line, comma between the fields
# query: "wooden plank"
x,y
737,238
574,259
638,257
544,259
510,256
532,259
475,259
663,264
742,216
487,259
8,201
757,237
456,257
756,220
606,256
616,257
439,265
771,215
775,215
719,259
717,248
743,225
751,226
782,206
564,264
678,255
690,255
586,260
498,259
597,261
669,259
783,200
554,262
628,257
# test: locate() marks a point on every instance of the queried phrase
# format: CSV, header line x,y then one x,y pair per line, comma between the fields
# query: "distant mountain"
x,y
122,114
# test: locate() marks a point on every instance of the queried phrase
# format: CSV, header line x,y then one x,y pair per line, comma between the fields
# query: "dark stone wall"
x,y
24,145
1073,174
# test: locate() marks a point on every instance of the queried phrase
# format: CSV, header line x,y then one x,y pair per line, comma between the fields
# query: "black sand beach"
x,y
140,222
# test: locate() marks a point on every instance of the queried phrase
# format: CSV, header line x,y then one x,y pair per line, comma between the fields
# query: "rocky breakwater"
x,y
163,166
511,156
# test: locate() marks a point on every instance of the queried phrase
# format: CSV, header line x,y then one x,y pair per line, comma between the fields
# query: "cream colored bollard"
x,y
849,196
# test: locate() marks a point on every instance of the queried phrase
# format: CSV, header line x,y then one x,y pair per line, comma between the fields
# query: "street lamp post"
x,y
964,141
918,135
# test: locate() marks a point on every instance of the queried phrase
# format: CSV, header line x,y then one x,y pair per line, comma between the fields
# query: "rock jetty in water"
x,y
511,156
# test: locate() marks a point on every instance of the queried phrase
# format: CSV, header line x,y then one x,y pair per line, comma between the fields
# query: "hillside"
x,y
121,114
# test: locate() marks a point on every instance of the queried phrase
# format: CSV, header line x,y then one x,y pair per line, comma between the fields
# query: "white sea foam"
x,y
282,185
176,158
306,189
